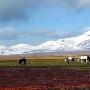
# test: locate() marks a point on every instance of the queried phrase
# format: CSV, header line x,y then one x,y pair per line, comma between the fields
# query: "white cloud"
x,y
8,33
48,33
14,9
84,3
18,9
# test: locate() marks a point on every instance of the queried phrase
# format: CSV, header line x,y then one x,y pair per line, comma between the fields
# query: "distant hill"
x,y
67,45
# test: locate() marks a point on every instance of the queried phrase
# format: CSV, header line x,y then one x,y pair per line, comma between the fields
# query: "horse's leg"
x,y
81,61
19,62
78,60
68,61
86,61
89,60
24,62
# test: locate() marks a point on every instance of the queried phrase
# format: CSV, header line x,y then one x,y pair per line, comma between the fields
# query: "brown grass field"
x,y
43,72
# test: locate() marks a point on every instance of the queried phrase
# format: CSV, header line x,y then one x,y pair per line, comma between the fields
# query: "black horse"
x,y
22,61
88,58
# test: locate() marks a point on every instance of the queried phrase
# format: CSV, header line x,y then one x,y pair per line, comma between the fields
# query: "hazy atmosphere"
x,y
44,44
36,21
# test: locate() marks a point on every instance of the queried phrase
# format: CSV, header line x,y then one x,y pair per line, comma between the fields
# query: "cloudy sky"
x,y
36,21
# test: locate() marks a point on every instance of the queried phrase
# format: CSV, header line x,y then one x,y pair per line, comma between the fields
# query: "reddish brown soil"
x,y
51,78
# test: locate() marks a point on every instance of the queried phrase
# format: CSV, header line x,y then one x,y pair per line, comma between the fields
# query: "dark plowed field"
x,y
51,78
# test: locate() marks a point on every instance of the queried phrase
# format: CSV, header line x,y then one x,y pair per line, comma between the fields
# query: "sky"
x,y
36,21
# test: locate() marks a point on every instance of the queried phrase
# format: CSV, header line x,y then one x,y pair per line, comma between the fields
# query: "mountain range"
x,y
81,42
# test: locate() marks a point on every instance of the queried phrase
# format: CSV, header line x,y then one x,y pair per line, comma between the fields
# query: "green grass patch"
x,y
44,63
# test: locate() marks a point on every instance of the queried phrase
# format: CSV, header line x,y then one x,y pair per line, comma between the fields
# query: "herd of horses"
x,y
67,59
82,59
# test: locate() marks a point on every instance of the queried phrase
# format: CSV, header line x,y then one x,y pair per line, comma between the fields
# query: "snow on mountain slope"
x,y
65,44
84,45
2,49
74,43
18,49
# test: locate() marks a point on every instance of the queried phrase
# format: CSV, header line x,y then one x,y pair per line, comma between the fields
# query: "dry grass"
x,y
40,61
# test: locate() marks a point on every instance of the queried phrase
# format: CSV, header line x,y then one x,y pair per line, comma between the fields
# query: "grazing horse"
x,y
84,59
22,61
69,59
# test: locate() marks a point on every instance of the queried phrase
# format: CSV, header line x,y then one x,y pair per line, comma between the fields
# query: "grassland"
x,y
38,61
43,73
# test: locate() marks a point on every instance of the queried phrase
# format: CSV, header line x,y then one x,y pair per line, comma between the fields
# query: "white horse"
x,y
84,59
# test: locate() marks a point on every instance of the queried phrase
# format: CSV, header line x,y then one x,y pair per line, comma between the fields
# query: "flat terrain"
x,y
50,78
41,61
43,73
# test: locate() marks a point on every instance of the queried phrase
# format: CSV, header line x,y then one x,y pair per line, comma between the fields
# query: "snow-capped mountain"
x,y
18,49
81,42
2,49
73,43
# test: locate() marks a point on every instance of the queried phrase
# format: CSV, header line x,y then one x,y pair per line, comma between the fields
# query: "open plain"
x,y
43,73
